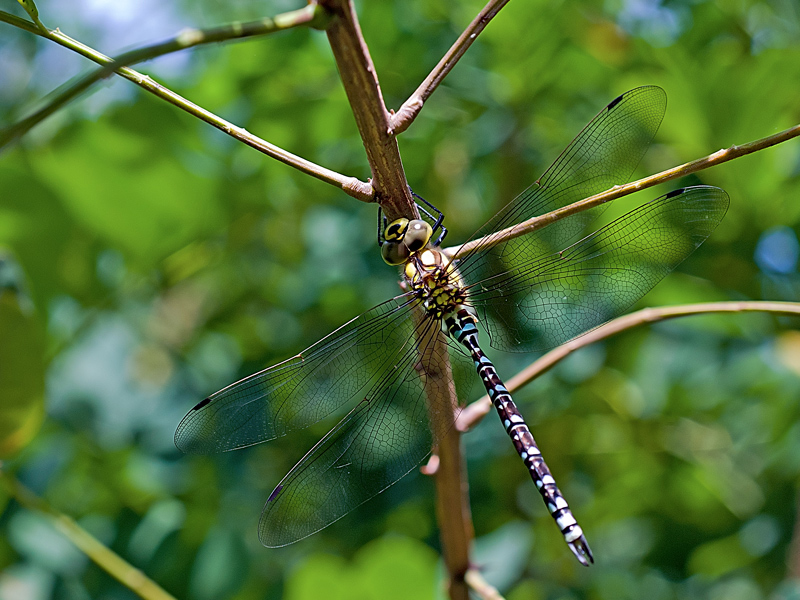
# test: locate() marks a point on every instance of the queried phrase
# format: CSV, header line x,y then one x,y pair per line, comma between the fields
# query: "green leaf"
x,y
129,191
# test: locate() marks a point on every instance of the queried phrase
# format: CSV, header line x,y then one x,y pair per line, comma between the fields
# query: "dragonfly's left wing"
x,y
540,299
385,436
333,373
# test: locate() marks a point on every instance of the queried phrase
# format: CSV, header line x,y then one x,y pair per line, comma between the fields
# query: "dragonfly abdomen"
x,y
462,326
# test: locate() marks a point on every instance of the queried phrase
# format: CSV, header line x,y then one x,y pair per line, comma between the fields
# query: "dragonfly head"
x,y
403,238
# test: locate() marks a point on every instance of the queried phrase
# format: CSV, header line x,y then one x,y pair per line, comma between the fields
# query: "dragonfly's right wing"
x,y
302,390
542,300
601,156
383,438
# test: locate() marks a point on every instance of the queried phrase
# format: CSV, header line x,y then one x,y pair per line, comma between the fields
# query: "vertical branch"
x,y
453,511
373,120
452,489
388,179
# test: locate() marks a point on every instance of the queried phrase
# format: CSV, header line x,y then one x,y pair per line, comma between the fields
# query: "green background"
x,y
149,260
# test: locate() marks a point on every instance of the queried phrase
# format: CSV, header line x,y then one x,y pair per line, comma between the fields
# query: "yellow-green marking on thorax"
x,y
427,270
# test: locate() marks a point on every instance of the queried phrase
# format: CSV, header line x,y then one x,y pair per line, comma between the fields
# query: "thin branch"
x,y
481,587
308,16
452,487
406,114
19,22
104,557
536,223
312,16
361,85
33,13
473,413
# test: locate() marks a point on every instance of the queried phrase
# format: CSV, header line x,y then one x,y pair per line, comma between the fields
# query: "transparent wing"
x,y
604,154
383,438
302,390
537,299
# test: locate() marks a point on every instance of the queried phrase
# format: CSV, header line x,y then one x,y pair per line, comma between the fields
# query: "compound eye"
x,y
418,235
395,230
394,253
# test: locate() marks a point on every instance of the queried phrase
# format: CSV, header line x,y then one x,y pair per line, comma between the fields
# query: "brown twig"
x,y
618,191
372,119
363,90
452,488
406,114
473,413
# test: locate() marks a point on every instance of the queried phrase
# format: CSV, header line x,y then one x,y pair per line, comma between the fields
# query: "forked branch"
x,y
360,82
406,114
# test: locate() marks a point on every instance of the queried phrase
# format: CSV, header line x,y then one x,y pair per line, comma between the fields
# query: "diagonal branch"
x,y
103,557
312,15
406,114
473,413
618,191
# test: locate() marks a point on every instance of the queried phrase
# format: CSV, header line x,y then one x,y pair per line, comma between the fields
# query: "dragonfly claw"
x,y
580,548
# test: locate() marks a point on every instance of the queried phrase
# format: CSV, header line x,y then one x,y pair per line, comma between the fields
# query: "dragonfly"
x,y
527,292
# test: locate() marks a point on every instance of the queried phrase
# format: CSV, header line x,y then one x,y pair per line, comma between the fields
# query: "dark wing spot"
x,y
614,102
274,493
202,403
674,193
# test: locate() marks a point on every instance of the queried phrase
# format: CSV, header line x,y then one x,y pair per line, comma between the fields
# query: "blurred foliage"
x,y
21,363
161,260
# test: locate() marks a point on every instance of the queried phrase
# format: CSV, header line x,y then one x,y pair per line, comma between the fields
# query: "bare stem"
x,y
103,557
372,119
33,13
452,488
406,114
618,191
473,413
361,85
19,23
312,15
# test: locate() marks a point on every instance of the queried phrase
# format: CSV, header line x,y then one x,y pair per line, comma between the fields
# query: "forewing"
x,y
302,390
604,154
538,301
384,437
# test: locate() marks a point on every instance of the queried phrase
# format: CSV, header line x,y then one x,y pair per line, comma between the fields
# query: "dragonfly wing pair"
x,y
534,301
534,291
371,361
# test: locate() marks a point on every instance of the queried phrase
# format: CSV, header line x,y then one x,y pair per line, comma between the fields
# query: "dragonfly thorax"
x,y
435,279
